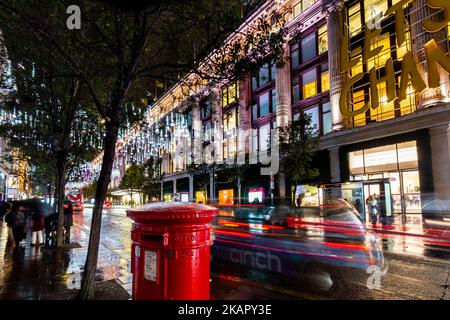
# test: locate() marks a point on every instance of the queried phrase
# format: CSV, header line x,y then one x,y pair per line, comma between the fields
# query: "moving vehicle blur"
x,y
325,247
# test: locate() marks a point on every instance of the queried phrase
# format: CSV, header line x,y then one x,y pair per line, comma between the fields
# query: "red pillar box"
x,y
170,251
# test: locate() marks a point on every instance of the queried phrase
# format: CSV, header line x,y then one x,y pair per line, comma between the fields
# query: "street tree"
x,y
298,143
152,178
133,180
122,47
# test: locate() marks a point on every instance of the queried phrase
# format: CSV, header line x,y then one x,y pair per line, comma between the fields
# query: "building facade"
x,y
376,90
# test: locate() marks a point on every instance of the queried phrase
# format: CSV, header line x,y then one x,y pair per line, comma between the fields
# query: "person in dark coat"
x,y
68,220
17,220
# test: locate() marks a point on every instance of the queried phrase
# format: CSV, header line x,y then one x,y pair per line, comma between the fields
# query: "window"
x,y
385,110
230,94
264,137
358,101
354,19
309,79
301,6
359,67
374,8
295,90
274,100
323,39
229,121
408,105
380,59
325,78
308,47
406,46
255,112
294,56
297,8
255,140
264,104
265,75
314,114
326,118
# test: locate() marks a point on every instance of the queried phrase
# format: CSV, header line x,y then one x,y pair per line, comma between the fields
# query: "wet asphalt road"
x,y
415,271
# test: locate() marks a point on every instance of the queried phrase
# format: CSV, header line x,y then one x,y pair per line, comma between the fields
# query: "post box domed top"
x,y
173,211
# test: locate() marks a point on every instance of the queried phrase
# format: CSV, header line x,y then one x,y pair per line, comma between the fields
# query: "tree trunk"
x,y
61,159
104,179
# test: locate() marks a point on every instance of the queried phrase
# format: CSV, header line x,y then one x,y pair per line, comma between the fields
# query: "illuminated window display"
x,y
255,195
399,164
200,197
226,197
309,79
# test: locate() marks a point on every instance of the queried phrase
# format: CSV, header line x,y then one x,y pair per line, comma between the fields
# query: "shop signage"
x,y
409,73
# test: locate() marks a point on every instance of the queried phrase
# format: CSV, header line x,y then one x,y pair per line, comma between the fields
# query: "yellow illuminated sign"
x,y
409,73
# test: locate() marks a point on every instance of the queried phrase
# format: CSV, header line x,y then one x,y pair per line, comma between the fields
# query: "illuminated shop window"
x,y
408,105
308,44
325,78
385,110
380,59
309,79
323,39
358,101
354,19
374,7
226,197
255,195
200,197
230,94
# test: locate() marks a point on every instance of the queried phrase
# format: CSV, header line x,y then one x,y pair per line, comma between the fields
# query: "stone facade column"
x,y
217,124
244,108
283,89
283,109
440,160
336,29
419,37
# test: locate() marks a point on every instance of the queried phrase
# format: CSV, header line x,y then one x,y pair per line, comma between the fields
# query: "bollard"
x,y
170,251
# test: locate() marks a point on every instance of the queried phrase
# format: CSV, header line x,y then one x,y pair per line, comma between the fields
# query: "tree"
x,y
152,178
298,142
121,46
50,123
133,179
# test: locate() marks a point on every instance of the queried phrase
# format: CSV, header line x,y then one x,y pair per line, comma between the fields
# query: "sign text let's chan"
x,y
409,72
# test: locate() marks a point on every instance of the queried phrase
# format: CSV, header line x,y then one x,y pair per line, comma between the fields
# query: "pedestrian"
x,y
68,220
373,208
37,227
17,220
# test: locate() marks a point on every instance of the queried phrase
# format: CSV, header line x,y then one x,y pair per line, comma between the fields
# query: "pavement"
x,y
416,271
